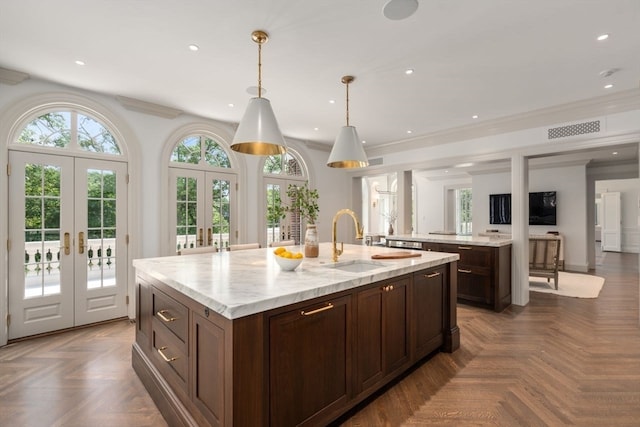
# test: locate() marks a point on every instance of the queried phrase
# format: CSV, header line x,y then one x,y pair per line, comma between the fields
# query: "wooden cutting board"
x,y
396,255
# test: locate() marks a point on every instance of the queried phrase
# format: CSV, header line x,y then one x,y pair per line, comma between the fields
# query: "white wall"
x,y
431,198
569,182
629,202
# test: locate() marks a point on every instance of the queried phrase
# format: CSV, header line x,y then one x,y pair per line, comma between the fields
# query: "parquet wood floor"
x,y
558,361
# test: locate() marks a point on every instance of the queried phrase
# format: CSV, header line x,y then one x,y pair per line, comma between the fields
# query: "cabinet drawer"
x,y
170,356
429,246
170,313
474,255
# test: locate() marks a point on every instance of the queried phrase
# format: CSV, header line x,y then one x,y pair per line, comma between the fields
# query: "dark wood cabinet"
x,y
309,359
207,384
428,302
484,274
382,337
303,364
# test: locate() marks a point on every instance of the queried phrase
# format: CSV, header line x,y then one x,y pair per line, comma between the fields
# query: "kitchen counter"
x,y
494,241
241,283
230,339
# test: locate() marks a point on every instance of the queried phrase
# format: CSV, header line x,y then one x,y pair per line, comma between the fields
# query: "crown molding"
x,y
593,107
148,107
12,77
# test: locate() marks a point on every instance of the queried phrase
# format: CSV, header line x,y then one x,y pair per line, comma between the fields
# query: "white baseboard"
x,y
579,268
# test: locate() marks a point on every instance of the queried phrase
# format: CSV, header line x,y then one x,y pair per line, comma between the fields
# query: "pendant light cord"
x,y
259,70
347,103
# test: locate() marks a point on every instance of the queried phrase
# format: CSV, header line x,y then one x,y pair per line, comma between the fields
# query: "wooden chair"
x,y
282,243
543,258
244,246
198,250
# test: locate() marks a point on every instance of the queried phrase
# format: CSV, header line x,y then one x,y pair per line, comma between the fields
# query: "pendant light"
x,y
347,151
258,131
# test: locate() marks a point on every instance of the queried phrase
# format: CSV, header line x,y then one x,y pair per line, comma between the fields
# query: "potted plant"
x,y
304,202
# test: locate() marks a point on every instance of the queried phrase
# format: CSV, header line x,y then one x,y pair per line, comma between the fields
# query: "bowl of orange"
x,y
288,261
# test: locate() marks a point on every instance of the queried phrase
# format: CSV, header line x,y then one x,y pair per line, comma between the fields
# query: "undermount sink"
x,y
356,266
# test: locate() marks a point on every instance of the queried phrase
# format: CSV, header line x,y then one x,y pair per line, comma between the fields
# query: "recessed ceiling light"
x,y
609,86
615,153
409,131
230,105
316,128
475,116
446,171
602,37
194,47
408,71
463,165
364,142
332,101
78,62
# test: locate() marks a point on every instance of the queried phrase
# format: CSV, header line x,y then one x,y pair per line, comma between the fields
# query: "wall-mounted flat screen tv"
x,y
542,208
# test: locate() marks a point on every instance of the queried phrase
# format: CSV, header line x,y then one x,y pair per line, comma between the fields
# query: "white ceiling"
x,y
493,58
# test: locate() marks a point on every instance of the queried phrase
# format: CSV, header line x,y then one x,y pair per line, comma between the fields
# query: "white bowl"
x,y
288,264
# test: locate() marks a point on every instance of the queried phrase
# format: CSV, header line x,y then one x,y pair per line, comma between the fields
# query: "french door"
x,y
278,228
203,208
68,254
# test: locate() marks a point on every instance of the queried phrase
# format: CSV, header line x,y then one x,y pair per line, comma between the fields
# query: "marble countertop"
x,y
241,283
496,241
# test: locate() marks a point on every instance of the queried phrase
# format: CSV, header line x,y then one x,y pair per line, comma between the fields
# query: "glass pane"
x,y
215,155
273,164
181,188
109,233
109,185
52,213
41,230
220,211
187,151
291,165
94,137
32,213
109,213
94,213
274,213
48,130
94,183
94,234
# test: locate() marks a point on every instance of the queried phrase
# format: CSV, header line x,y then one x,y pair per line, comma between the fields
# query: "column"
x,y
520,230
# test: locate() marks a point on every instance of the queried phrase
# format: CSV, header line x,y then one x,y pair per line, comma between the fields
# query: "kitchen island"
x,y
484,267
229,338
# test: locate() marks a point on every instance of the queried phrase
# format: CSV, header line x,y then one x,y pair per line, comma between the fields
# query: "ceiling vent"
x,y
576,129
375,162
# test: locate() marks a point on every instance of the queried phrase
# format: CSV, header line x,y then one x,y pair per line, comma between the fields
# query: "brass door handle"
x,y
432,275
81,242
466,248
463,271
329,306
161,314
166,359
201,237
67,243
209,237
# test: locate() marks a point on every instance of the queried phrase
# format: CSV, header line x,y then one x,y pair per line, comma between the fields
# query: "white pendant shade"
x,y
347,151
258,131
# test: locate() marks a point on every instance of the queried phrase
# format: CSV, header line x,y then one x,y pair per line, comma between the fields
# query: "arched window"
x,y
203,194
200,150
69,130
283,164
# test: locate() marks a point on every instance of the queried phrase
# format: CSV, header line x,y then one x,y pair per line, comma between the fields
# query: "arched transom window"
x,y
200,150
283,164
69,130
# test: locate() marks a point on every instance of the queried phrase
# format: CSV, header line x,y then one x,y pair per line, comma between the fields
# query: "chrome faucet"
x,y
334,238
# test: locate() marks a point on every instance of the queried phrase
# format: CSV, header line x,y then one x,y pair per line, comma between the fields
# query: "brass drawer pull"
x,y
432,275
166,359
466,248
463,271
329,306
161,314
387,288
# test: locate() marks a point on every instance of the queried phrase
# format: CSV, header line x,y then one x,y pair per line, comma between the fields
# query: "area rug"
x,y
569,285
